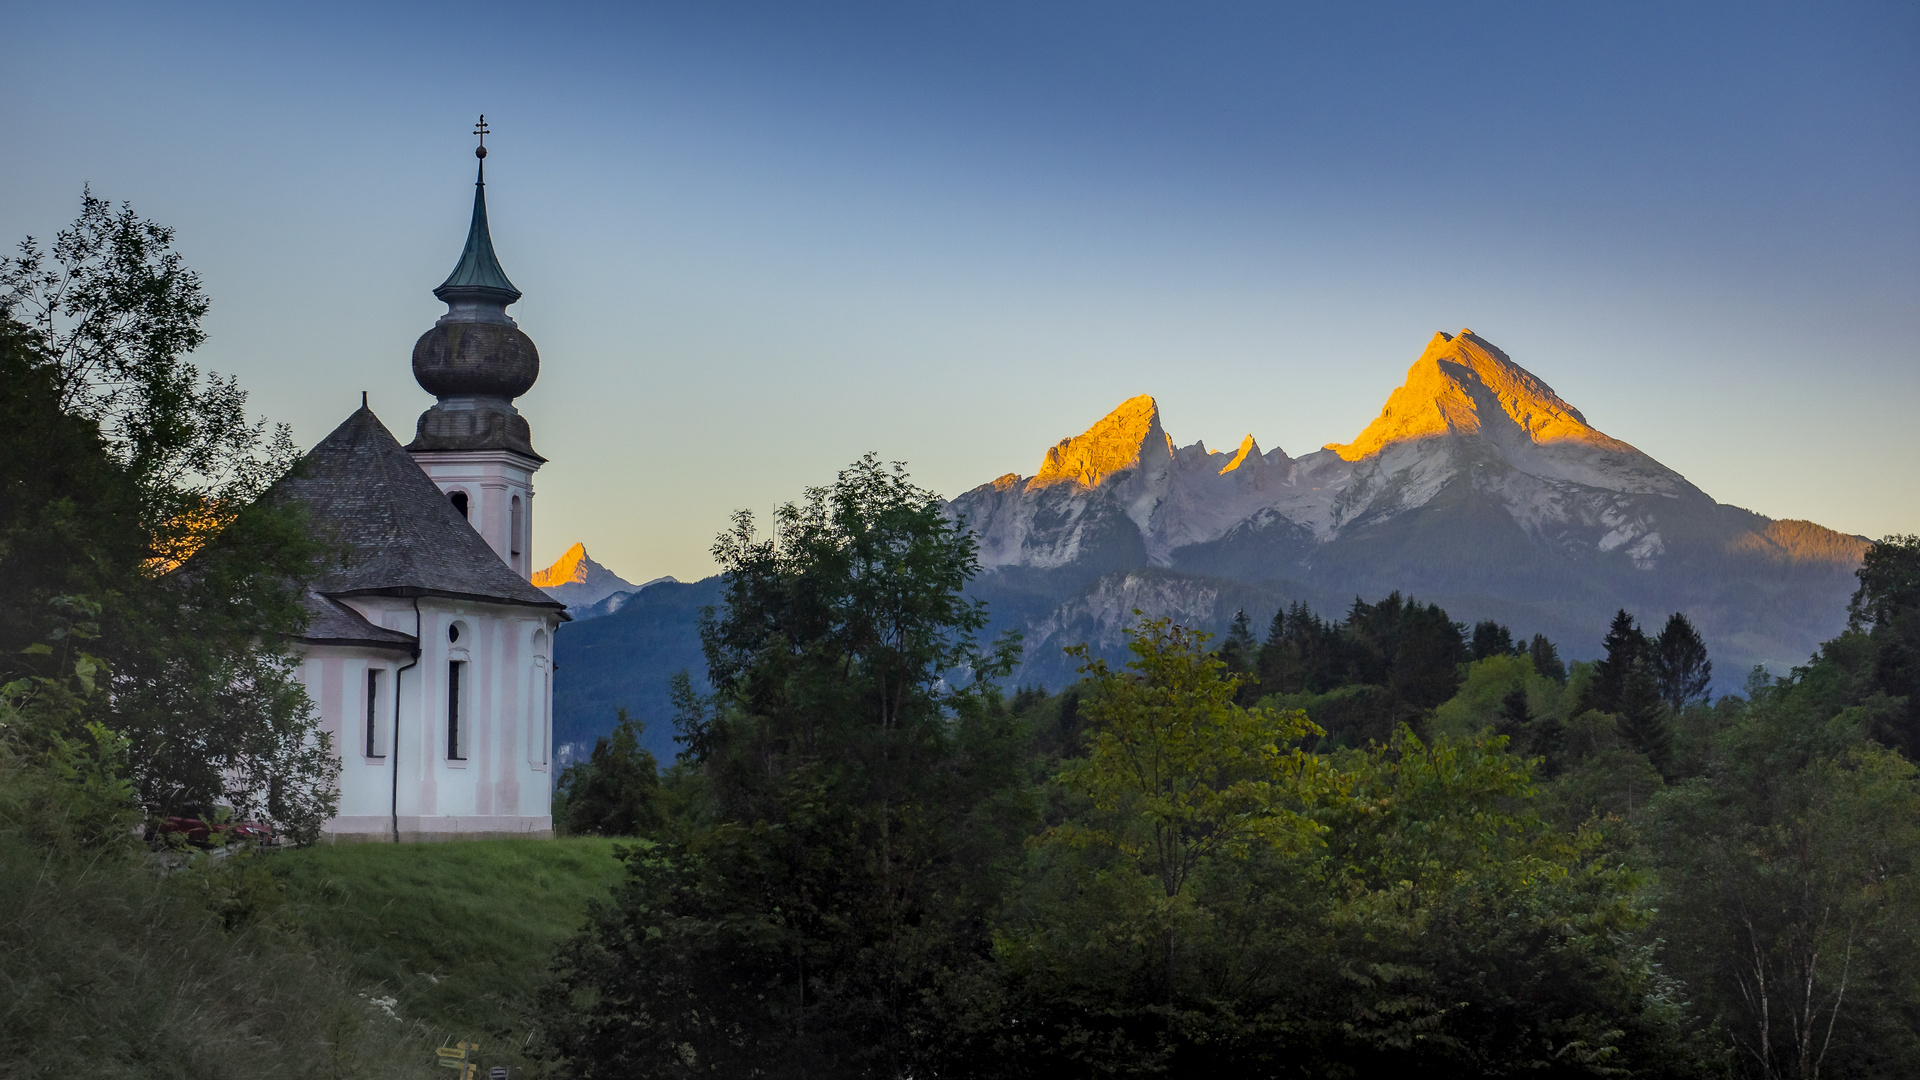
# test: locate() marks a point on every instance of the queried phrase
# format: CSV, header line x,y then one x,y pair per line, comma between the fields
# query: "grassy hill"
x,y
458,935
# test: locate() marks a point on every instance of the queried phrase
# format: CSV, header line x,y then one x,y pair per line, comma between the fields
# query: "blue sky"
x,y
757,240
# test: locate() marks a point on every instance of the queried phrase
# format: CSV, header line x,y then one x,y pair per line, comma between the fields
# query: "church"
x,y
428,653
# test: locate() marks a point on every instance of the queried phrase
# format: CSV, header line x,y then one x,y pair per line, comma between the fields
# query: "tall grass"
x,y
110,969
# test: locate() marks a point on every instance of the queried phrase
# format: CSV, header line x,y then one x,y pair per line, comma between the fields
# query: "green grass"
x,y
459,934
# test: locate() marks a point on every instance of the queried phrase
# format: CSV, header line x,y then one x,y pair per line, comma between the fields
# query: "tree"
x,y
1886,607
1626,647
615,792
1790,904
1516,719
114,311
833,882
1240,651
132,522
1681,669
1546,659
1170,752
1643,716
1490,639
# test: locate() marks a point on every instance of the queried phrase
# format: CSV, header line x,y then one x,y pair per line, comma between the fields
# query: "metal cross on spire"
x,y
480,129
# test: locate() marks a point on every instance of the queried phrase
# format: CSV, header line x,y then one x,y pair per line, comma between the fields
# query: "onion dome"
x,y
476,359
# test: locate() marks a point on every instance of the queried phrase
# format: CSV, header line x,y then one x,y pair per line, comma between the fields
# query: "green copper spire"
x,y
477,280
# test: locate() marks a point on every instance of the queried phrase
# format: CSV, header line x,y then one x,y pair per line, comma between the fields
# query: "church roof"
x,y
478,275
330,622
399,534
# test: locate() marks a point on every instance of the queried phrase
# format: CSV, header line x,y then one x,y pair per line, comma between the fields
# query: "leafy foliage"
x,y
130,555
1791,891
850,764
115,969
1886,608
615,792
873,863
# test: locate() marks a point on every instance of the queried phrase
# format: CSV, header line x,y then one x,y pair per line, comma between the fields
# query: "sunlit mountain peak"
x,y
569,569
1118,443
1248,449
1464,385
577,581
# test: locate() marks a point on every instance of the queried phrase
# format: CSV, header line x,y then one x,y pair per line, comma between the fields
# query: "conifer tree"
x,y
1516,719
1239,650
1626,646
1643,715
1546,659
1491,639
1680,664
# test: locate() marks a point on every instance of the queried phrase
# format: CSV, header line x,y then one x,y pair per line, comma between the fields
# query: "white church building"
x,y
429,651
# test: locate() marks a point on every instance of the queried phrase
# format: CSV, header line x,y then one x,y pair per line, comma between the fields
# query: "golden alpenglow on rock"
x,y
1113,445
1248,448
568,569
1462,385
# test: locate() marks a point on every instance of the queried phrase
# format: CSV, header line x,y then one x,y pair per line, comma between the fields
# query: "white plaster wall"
x,y
504,783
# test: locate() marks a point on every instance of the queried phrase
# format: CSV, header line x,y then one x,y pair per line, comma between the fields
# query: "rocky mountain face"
x,y
1477,487
589,589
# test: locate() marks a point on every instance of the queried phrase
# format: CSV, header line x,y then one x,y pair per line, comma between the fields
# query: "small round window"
x,y
453,632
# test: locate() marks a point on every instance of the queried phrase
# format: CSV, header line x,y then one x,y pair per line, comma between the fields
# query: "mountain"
x,y
627,660
1477,487
589,589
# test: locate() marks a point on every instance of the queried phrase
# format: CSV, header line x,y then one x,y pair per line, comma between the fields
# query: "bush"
x,y
114,968
615,792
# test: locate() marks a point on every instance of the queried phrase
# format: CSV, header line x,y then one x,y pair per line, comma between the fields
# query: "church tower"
x,y
473,443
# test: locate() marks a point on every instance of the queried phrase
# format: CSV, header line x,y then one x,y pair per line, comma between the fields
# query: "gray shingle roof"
x,y
330,622
399,534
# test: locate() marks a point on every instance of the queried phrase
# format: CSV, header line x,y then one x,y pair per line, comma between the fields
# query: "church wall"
x,y
491,480
504,784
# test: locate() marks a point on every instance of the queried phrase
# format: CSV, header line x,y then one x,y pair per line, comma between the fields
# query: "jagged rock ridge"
x,y
1477,486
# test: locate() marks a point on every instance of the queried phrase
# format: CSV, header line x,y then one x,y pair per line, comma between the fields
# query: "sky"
x,y
759,240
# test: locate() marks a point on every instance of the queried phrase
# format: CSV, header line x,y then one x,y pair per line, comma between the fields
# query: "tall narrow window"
x,y
516,523
374,747
546,715
459,502
454,670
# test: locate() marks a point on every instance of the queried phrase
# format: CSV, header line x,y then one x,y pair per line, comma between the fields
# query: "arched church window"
x,y
516,524
459,499
540,719
458,705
